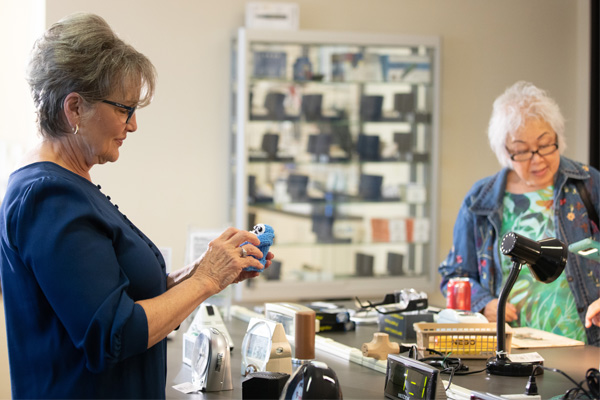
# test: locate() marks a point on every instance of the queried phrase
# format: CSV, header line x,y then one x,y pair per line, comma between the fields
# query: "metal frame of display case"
x,y
346,287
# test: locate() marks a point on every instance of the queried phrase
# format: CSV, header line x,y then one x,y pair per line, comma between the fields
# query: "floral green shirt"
x,y
549,307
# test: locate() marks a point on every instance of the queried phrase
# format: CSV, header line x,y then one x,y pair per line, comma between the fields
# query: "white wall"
x,y
172,173
20,23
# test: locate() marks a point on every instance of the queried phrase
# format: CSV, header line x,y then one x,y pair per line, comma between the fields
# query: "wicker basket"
x,y
460,340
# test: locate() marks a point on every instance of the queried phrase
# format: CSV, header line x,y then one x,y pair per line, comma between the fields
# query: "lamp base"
x,y
503,366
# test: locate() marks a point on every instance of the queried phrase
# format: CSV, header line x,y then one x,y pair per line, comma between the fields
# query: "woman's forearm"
x,y
167,311
176,277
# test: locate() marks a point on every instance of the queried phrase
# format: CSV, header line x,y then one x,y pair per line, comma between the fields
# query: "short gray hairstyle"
x,y
82,54
517,105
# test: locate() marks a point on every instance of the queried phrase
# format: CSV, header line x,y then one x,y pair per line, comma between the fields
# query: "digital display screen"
x,y
258,347
407,382
285,320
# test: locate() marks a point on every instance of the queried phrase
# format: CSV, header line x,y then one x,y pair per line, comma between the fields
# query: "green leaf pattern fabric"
x,y
549,307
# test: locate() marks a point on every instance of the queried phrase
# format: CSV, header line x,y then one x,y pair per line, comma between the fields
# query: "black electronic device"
x,y
406,378
394,264
364,264
314,380
404,103
297,187
371,107
270,143
264,385
319,144
401,324
400,301
311,106
322,226
251,189
332,317
397,318
274,105
367,147
342,137
404,141
273,273
369,186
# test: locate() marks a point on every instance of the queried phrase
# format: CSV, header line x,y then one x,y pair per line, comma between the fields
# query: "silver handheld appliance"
x,y
211,363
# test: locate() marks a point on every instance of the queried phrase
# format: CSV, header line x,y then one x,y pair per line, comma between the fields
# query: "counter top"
x,y
359,382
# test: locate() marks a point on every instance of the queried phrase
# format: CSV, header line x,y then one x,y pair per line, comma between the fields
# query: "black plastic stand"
x,y
501,365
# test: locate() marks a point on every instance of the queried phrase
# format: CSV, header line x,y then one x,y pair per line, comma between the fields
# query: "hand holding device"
x,y
588,248
266,235
592,316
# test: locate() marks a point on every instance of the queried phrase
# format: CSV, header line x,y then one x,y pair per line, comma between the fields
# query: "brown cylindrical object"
x,y
305,335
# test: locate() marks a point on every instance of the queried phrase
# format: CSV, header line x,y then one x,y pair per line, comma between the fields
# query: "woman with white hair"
x,y
536,194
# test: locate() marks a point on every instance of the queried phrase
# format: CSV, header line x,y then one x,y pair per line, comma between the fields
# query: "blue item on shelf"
x,y
302,69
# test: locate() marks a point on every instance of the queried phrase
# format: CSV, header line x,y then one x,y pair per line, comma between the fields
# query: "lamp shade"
x,y
546,258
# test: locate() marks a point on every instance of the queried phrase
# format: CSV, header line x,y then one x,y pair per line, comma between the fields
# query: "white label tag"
x,y
186,387
526,357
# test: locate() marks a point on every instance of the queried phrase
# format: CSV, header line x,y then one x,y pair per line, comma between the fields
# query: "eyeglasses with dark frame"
x,y
130,110
528,155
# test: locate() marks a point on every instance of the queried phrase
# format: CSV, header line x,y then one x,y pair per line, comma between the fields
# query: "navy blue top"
x,y
72,268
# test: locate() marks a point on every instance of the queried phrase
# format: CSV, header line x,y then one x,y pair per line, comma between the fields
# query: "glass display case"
x,y
334,144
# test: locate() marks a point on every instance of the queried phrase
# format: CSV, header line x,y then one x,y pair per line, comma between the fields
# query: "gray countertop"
x,y
358,382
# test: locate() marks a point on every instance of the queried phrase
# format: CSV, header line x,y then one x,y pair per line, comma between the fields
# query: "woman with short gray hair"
x,y
88,303
538,194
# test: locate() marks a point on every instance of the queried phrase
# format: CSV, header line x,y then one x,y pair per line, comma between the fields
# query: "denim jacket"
x,y
475,252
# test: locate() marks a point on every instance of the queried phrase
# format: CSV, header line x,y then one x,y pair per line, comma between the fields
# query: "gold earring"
x,y
76,129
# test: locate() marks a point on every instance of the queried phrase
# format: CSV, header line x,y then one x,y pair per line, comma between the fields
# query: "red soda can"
x,y
459,294
450,296
463,295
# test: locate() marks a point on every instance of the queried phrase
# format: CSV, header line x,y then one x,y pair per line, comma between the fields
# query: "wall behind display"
x,y
173,172
20,23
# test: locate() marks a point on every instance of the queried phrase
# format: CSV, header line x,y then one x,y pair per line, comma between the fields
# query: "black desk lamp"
x,y
546,260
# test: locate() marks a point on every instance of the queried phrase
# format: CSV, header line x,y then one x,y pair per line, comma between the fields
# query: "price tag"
x,y
186,387
526,357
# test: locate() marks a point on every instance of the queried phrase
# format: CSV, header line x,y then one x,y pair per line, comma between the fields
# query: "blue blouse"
x,y
72,268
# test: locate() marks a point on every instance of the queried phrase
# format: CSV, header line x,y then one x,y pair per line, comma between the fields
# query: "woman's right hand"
x,y
491,311
223,264
592,316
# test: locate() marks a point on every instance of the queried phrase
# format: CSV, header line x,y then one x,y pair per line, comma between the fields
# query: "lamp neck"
x,y
500,320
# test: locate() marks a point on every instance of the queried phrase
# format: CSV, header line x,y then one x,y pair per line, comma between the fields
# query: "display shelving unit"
x,y
334,143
